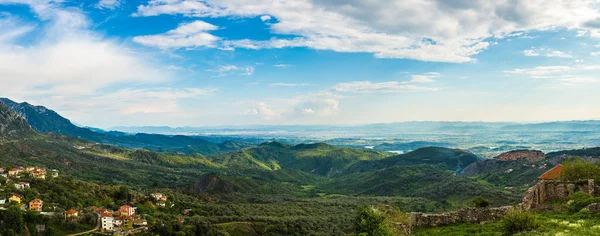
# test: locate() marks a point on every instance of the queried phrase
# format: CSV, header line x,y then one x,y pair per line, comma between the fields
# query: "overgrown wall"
x,y
471,215
548,190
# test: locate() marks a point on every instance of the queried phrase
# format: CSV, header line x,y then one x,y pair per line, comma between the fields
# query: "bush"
x,y
580,200
480,202
579,169
517,220
371,222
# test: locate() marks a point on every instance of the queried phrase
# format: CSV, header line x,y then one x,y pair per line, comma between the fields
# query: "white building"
x,y
108,222
22,185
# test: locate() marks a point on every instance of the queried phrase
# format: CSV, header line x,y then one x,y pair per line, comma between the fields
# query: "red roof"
x,y
71,212
552,174
106,214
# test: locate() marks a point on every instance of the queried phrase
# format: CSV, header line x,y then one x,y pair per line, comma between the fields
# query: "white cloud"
x,y
108,4
265,18
263,112
282,65
381,87
425,78
596,53
436,30
225,70
188,35
546,52
530,53
12,28
540,71
289,85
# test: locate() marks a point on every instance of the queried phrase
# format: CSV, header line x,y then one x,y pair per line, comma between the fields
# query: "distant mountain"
x,y
409,146
316,158
521,155
586,152
569,126
452,159
12,125
45,120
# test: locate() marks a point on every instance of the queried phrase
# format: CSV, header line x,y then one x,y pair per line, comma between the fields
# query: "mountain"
x,y
316,158
12,124
45,120
409,146
451,159
586,152
520,155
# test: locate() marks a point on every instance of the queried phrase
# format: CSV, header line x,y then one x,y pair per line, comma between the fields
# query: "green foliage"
x,y
480,201
580,200
371,222
11,221
579,169
517,220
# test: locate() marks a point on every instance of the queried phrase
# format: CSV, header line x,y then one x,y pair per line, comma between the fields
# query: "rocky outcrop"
x,y
533,155
545,191
470,215
12,125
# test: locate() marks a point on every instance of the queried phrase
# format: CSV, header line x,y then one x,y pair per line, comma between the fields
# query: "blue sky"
x,y
232,62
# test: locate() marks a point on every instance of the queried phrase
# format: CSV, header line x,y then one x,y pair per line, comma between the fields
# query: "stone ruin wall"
x,y
470,215
545,191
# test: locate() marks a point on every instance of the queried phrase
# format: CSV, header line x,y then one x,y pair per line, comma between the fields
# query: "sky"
x,y
106,63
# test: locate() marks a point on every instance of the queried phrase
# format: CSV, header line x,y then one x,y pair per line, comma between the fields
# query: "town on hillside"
x,y
15,182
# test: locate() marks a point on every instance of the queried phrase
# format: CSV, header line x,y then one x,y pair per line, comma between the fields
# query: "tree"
x,y
517,220
579,169
371,222
480,202
12,220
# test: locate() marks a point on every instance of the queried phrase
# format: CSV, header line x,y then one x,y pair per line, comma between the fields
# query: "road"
x,y
91,230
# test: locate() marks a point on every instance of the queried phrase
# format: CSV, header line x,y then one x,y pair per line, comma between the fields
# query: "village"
x,y
121,221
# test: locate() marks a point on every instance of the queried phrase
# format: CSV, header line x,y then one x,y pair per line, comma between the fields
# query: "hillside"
x,y
12,124
317,158
451,159
45,120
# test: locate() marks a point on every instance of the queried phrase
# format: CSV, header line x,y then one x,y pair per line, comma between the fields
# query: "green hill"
x,y
317,158
451,159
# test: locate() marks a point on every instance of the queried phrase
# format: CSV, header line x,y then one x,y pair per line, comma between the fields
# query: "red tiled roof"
x,y
552,174
71,212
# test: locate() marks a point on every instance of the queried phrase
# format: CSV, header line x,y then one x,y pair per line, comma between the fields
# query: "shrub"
x,y
580,200
517,220
480,202
579,169
371,222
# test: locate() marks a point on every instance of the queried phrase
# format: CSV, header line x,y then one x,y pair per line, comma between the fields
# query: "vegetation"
x,y
371,222
579,169
481,202
517,220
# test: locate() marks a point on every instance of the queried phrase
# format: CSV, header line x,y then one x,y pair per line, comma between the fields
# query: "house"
x,y
187,211
22,185
127,222
71,214
127,210
117,221
140,222
2,170
108,222
159,196
14,172
54,173
29,169
161,204
39,174
15,197
552,174
36,205
2,201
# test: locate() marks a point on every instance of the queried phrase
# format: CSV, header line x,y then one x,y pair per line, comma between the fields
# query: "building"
x,y
54,173
71,214
108,222
39,174
161,204
14,172
2,201
127,222
36,205
22,185
29,169
159,196
15,197
2,170
552,174
127,210
140,222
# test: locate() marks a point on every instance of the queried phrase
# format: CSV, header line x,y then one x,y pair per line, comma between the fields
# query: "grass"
x,y
551,223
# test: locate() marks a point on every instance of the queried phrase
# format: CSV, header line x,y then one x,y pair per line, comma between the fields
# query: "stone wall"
x,y
471,215
549,190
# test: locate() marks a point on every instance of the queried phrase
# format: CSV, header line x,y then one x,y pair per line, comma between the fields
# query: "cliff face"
x,y
12,125
521,155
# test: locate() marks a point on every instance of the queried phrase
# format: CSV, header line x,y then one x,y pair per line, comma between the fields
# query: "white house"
x,y
22,185
108,222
